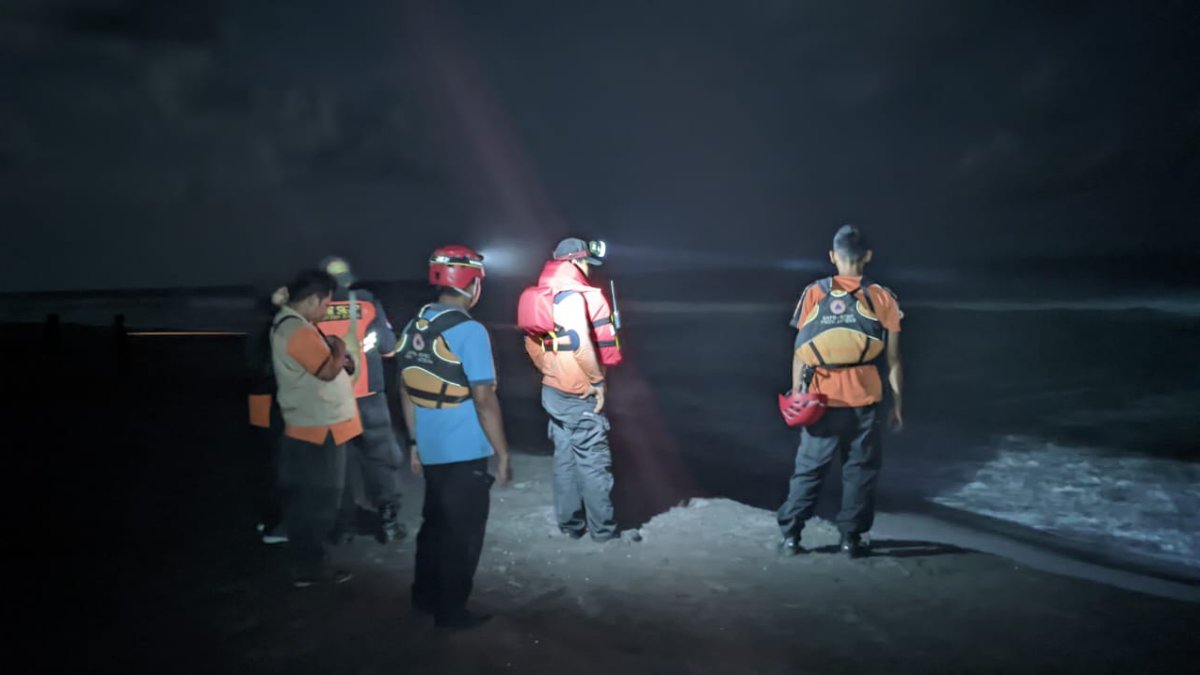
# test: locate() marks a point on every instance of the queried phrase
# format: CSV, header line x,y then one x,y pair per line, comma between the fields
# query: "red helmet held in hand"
x,y
801,409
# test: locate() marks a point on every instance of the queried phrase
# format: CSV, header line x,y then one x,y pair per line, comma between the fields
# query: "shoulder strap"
x,y
795,322
446,320
865,287
280,322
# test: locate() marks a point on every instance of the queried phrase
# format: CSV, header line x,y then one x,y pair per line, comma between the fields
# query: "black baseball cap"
x,y
573,248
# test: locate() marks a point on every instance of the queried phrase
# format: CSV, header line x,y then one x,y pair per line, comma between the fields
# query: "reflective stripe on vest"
x,y
337,321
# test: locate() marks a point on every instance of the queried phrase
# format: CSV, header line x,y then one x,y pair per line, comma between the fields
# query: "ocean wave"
x,y
1145,505
1189,306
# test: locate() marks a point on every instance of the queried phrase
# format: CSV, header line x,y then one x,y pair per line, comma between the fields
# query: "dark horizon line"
x,y
1185,265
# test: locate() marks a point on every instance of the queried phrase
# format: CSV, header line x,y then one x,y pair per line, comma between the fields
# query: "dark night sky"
x,y
189,142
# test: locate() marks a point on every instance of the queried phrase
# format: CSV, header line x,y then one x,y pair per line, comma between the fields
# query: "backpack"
x,y
535,311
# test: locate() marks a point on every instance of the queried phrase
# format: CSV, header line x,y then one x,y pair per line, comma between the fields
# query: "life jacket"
x,y
841,330
350,318
535,313
432,374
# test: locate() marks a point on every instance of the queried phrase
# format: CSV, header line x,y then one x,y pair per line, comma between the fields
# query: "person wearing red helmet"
x,y
845,325
448,395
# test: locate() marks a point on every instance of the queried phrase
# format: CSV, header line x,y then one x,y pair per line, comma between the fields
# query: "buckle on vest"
x,y
550,342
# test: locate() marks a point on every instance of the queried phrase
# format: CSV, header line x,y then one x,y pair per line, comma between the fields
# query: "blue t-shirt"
x,y
454,434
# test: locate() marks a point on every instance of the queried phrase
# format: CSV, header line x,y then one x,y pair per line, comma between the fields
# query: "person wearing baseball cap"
x,y
572,248
373,459
571,338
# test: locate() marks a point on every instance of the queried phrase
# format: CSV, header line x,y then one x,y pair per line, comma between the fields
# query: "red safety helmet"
x,y
455,266
801,409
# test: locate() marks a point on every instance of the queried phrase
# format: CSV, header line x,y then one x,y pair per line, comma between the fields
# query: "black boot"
x,y
390,528
852,545
790,546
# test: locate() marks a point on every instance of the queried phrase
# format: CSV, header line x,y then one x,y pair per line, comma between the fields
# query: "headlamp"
x,y
598,249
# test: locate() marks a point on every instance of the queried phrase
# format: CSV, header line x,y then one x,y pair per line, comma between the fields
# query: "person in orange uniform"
x,y
845,324
320,416
373,459
572,361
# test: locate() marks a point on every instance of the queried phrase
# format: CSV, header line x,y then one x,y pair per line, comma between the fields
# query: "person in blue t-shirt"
x,y
448,394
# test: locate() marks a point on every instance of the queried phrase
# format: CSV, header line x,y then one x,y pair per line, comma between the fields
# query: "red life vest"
x,y
535,312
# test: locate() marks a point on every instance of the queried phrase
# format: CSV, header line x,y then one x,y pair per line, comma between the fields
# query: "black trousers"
x,y
311,480
855,434
450,542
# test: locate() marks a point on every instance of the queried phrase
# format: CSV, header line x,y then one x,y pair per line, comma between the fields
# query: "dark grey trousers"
x,y
855,434
583,477
373,459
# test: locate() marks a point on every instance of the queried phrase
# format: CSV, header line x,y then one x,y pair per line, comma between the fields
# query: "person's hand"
x,y
596,390
414,461
896,420
503,472
336,345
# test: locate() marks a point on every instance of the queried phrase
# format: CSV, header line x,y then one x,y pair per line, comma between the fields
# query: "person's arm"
x,y
797,371
474,347
336,362
487,408
385,335
586,356
803,306
323,359
410,421
890,315
895,379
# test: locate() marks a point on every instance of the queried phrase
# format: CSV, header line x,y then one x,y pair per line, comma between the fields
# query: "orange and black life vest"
x,y
842,329
432,374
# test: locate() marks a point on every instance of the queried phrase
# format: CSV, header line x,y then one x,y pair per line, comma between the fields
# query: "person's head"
x,y
310,292
457,273
582,254
850,252
339,268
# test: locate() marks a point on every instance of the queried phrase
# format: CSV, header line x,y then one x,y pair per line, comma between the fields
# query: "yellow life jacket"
x,y
432,374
